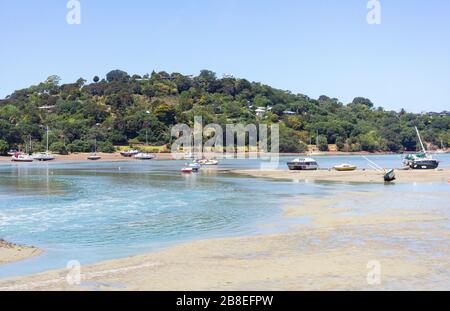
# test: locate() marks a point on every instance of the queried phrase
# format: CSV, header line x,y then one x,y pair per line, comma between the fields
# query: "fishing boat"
x,y
345,167
129,153
20,157
303,164
144,156
44,156
422,160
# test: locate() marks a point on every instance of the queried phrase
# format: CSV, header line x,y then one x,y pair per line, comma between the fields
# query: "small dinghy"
x,y
345,167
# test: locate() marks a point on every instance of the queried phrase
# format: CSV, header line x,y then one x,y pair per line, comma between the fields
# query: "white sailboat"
x,y
44,156
94,156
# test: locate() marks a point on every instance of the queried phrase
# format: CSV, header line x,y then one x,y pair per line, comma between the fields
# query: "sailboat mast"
x,y
420,140
47,140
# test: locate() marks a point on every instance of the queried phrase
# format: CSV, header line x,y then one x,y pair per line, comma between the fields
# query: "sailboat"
x,y
144,155
422,160
442,150
44,156
94,156
388,174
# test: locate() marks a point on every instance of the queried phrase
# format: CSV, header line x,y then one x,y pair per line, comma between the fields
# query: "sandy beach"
x,y
359,176
335,251
10,252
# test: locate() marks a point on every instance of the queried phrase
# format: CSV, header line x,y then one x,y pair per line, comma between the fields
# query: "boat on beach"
x,y
94,156
129,153
44,156
422,160
303,164
345,167
144,156
20,157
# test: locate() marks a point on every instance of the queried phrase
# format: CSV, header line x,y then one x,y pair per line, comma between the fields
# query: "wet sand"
x,y
336,250
359,176
10,252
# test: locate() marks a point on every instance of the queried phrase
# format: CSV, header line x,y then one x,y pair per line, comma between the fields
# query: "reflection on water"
x,y
97,211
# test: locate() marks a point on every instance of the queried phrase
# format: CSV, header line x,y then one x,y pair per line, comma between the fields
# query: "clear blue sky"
x,y
312,47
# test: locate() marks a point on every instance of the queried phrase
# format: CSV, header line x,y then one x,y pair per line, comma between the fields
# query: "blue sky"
x,y
311,47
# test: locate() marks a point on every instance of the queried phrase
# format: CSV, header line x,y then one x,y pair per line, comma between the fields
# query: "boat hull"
x,y
345,169
424,165
301,167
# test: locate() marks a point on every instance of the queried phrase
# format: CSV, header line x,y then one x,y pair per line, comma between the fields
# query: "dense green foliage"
x,y
123,109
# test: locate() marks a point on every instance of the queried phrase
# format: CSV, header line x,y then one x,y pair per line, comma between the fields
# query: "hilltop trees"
x,y
123,109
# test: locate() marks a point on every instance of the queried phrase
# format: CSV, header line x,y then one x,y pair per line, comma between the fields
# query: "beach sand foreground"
x,y
10,252
359,176
337,250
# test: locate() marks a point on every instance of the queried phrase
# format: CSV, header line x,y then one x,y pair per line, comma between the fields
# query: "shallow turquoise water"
x,y
97,211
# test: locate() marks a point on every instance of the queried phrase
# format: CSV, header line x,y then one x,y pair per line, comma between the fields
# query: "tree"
x,y
59,147
323,143
96,79
4,147
363,101
117,76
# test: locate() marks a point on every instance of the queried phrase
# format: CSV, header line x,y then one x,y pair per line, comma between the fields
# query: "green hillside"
x,y
121,109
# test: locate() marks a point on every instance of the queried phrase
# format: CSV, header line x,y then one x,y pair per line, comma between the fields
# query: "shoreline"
x,y
331,252
10,252
116,157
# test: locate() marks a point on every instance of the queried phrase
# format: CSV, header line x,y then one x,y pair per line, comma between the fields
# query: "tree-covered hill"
x,y
123,109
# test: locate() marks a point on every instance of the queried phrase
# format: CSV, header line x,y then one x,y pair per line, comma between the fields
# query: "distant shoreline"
x,y
116,157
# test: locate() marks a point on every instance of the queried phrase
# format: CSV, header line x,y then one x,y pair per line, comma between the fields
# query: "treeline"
x,y
122,110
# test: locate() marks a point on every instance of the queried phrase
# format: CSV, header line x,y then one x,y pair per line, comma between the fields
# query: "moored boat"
x,y
94,157
303,164
144,156
44,157
421,161
129,153
20,157
345,167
